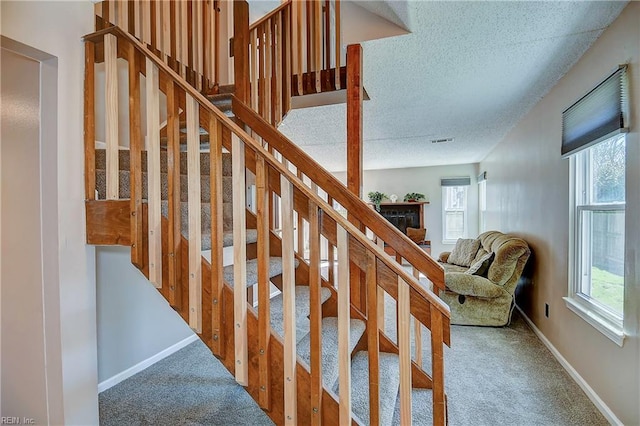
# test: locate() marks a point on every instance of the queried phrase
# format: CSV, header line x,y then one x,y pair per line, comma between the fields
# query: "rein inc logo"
x,y
5,420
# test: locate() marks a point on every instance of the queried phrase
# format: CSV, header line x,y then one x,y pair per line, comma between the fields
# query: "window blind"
x,y
598,115
456,181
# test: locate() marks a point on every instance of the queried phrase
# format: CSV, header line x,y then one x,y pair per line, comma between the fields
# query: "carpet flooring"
x,y
494,376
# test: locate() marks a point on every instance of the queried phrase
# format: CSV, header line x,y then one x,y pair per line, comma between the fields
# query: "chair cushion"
x,y
417,235
472,285
480,266
464,252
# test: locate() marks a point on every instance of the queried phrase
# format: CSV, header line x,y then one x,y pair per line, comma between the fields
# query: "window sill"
x,y
612,331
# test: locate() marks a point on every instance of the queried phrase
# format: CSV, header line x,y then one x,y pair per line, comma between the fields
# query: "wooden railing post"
x,y
111,124
239,261
89,121
241,49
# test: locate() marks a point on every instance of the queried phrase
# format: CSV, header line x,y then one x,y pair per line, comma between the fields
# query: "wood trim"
x,y
239,260
108,222
153,174
195,226
344,309
89,122
111,123
264,293
289,305
373,340
315,317
135,158
404,346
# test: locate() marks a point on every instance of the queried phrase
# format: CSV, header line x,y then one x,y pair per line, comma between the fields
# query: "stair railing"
x,y
185,34
294,50
171,266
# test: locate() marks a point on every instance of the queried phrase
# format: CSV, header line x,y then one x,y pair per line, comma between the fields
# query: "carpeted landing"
x,y
494,376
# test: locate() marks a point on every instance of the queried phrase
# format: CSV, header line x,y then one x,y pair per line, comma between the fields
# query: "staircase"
x,y
222,211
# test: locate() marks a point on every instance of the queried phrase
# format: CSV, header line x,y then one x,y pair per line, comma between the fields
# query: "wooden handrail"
x,y
269,15
369,217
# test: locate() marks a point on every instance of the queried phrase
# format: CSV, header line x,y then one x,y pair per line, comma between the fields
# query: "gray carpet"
x,y
494,376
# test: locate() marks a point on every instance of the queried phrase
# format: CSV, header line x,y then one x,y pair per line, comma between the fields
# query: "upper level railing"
x,y
276,177
185,34
294,50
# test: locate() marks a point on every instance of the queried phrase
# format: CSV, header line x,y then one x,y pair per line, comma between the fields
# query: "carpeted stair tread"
x,y
389,385
275,269
330,365
227,238
302,311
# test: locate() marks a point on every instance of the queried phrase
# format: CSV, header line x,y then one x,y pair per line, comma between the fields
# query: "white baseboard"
x,y
112,381
593,396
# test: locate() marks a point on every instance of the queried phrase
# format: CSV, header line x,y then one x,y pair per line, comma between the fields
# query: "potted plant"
x,y
413,197
376,198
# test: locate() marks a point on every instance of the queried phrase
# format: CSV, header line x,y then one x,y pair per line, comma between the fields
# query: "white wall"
x,y
425,180
56,28
134,321
528,194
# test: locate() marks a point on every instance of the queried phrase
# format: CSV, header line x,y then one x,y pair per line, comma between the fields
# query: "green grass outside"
x,y
607,288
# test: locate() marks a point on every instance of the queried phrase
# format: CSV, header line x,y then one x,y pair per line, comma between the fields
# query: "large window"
x,y
593,137
454,211
482,201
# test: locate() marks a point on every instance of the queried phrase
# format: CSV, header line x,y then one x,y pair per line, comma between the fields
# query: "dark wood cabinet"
x,y
406,215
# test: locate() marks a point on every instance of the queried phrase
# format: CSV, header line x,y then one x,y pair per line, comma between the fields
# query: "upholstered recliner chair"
x,y
481,277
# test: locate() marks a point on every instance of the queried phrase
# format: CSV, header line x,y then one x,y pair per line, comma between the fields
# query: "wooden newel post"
x,y
354,156
241,50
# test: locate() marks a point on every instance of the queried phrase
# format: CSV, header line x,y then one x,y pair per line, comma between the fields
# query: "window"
x,y
594,140
482,201
454,209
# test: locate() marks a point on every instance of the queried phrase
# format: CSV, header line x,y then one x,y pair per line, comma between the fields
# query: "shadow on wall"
x,y
524,289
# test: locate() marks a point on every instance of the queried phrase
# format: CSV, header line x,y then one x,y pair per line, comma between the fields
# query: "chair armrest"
x,y
472,285
444,256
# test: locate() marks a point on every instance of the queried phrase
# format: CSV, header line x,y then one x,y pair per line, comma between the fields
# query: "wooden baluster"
x,y
215,182
153,25
344,307
327,37
317,4
381,293
264,309
207,50
239,260
195,228
137,14
287,70
175,40
145,21
113,17
298,37
135,160
315,302
289,314
373,339
417,329
254,69
190,44
300,227
404,347
111,97
153,174
123,15
309,9
338,50
166,31
216,43
437,368
268,53
89,121
184,38
173,180
199,44
276,60
262,99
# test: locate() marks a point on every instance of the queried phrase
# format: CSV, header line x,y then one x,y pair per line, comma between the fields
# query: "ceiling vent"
x,y
442,140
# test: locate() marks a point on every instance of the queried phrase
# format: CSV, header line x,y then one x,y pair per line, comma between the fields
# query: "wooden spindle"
x,y
277,98
194,208
317,37
239,260
404,350
137,15
174,237
373,339
268,63
89,121
437,368
145,21
135,160
381,293
123,15
298,36
154,174
262,99
344,308
166,30
338,48
215,182
111,124
289,296
315,302
264,310
287,70
254,69
417,329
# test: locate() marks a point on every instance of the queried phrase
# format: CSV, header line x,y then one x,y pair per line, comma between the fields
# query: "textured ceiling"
x,y
468,70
